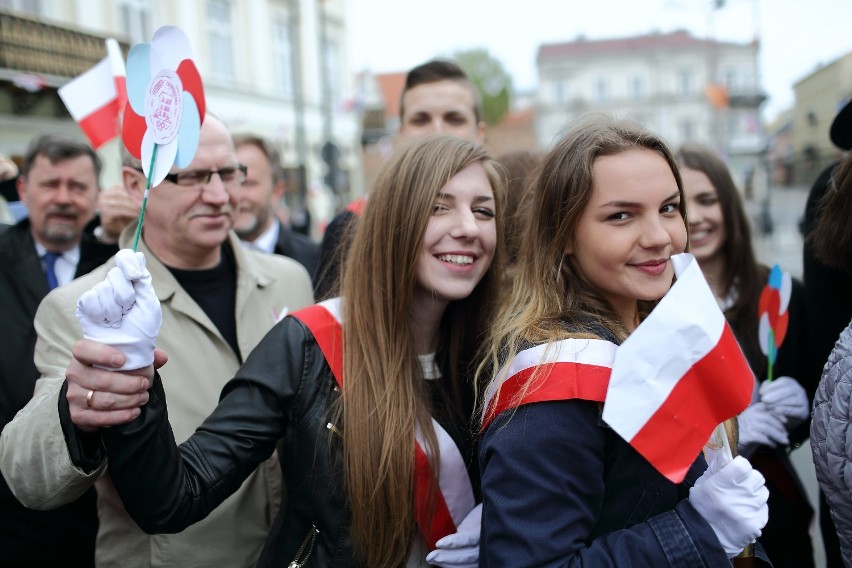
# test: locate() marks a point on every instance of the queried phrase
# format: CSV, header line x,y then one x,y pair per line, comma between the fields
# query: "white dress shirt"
x,y
66,263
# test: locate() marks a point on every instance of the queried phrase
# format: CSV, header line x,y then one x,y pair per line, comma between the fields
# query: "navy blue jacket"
x,y
561,488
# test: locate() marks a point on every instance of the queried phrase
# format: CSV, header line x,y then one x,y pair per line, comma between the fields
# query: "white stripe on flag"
x,y
90,91
650,362
116,60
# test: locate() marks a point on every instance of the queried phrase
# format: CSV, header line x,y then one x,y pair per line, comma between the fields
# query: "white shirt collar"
x,y
66,263
728,301
266,241
431,371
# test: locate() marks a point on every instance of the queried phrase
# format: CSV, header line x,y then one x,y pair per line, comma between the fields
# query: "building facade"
x,y
276,68
682,87
819,96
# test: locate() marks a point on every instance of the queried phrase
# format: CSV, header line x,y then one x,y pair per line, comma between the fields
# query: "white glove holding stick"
x,y
732,499
123,311
460,549
760,426
786,398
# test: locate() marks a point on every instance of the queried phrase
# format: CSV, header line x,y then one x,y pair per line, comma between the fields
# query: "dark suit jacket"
x,y
65,536
298,247
335,244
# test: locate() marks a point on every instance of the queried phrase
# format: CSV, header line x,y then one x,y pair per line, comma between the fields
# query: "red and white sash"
x,y
454,498
569,368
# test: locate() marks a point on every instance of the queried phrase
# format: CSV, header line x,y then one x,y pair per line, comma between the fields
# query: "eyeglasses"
x,y
233,175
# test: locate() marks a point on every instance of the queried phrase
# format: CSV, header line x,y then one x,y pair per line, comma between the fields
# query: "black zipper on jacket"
x,y
305,549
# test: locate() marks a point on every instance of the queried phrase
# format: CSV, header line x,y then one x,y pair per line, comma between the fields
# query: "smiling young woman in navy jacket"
x,y
560,487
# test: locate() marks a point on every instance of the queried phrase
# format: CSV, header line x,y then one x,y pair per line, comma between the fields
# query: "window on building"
x,y
283,55
687,130
749,79
560,92
31,7
331,57
220,35
135,20
686,82
731,79
637,87
602,93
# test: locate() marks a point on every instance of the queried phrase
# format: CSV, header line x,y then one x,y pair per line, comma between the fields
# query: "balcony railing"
x,y
31,46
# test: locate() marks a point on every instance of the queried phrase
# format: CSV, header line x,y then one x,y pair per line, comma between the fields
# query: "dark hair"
x,y
440,70
741,266
520,168
831,239
58,148
266,148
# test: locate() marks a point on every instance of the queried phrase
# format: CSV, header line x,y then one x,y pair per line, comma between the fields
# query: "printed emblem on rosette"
x,y
166,107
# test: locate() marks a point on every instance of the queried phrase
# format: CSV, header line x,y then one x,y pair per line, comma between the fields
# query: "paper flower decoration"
x,y
774,318
166,103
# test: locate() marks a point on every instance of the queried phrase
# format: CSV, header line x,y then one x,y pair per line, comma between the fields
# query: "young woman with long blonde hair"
x,y
369,394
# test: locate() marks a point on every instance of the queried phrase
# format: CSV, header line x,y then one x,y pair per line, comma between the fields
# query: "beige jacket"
x,y
35,461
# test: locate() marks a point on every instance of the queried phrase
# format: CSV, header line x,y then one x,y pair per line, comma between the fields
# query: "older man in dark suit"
x,y
59,186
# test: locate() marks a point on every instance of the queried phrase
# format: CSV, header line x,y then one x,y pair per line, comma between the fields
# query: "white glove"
x,y
759,426
785,397
123,310
733,502
460,549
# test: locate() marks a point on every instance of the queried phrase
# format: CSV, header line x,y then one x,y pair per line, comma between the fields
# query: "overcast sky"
x,y
796,35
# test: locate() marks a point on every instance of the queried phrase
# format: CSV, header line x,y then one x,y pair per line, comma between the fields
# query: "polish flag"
x,y
677,376
119,74
95,98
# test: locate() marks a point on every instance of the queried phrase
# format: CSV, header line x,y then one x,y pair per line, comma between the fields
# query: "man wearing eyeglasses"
x,y
218,300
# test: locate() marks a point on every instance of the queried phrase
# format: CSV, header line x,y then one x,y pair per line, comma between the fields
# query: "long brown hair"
x,y
383,396
741,267
550,290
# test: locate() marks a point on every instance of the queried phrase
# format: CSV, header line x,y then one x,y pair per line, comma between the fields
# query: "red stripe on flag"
x,y
716,388
556,381
434,523
101,126
121,91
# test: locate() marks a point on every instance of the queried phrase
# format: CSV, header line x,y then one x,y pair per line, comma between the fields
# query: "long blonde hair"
x,y
551,295
383,396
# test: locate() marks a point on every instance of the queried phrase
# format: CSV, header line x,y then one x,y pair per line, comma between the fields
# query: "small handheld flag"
x,y
677,376
96,98
774,318
162,121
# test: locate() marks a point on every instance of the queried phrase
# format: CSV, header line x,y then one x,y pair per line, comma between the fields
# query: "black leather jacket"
x,y
281,398
283,392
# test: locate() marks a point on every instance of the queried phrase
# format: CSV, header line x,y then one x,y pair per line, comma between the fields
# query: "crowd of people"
x,y
234,393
